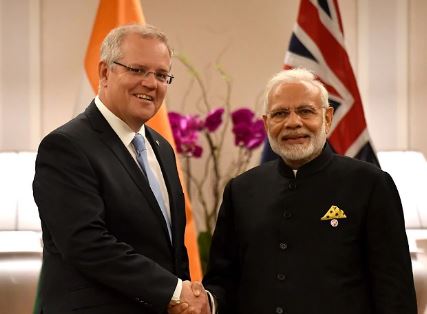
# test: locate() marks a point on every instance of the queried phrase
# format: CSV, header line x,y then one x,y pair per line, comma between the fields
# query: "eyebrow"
x,y
284,107
140,66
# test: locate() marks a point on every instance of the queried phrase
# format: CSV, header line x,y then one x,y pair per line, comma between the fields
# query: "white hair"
x,y
297,75
111,45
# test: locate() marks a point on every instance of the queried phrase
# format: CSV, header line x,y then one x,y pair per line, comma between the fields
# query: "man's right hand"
x,y
193,300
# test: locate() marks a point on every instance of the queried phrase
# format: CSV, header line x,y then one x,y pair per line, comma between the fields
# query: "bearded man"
x,y
311,232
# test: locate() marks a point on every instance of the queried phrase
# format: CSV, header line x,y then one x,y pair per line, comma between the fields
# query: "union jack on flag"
x,y
317,44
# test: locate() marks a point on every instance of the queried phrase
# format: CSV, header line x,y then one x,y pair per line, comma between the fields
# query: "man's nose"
x,y
149,79
293,120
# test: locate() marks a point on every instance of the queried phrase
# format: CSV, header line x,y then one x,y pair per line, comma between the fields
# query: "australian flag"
x,y
317,44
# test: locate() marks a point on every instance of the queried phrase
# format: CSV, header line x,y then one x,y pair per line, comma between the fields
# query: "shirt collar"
x,y
123,131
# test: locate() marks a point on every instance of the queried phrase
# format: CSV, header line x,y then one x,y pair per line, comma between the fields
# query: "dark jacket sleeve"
x,y
387,251
222,271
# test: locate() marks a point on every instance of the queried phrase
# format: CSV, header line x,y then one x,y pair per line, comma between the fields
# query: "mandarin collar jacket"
x,y
330,240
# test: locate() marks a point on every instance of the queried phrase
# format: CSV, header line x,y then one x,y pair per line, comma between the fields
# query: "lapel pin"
x,y
157,142
333,214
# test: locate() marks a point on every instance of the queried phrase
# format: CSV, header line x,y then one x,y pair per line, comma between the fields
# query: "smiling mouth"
x,y
144,97
295,138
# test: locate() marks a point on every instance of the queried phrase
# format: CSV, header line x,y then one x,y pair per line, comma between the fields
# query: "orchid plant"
x,y
198,136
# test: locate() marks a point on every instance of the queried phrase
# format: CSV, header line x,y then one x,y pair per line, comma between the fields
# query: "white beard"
x,y
300,153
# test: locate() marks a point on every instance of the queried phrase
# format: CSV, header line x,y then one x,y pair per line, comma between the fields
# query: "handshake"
x,y
193,300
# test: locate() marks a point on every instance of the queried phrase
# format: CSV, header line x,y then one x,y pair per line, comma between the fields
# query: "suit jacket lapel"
x,y
113,142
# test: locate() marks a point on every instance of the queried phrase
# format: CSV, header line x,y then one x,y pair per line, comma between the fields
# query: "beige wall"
x,y
64,38
41,57
42,51
251,49
417,100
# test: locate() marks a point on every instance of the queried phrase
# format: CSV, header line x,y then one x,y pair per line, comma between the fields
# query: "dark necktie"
x,y
141,156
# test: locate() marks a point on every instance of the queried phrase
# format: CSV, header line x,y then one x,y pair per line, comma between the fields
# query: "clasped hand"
x,y
193,300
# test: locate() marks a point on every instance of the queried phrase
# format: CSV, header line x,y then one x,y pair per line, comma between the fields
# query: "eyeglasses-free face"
x,y
162,77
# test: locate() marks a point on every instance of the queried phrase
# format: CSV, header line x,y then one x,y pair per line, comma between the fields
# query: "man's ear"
x,y
329,114
103,72
264,119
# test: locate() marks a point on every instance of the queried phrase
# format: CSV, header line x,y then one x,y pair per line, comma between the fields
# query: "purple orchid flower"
x,y
248,132
214,119
185,131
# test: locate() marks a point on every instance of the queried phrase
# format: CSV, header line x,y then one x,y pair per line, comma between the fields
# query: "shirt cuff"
x,y
177,293
212,302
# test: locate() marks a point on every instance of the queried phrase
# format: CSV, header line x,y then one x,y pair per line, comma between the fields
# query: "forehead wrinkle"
x,y
310,93
132,45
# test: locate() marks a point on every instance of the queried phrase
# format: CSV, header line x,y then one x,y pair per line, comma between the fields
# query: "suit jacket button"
x,y
283,246
279,310
281,277
287,214
292,185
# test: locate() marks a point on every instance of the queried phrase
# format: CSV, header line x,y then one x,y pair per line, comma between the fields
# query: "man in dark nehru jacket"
x,y
311,232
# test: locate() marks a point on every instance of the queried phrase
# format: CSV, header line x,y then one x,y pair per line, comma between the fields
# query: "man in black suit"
x,y
311,232
109,197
